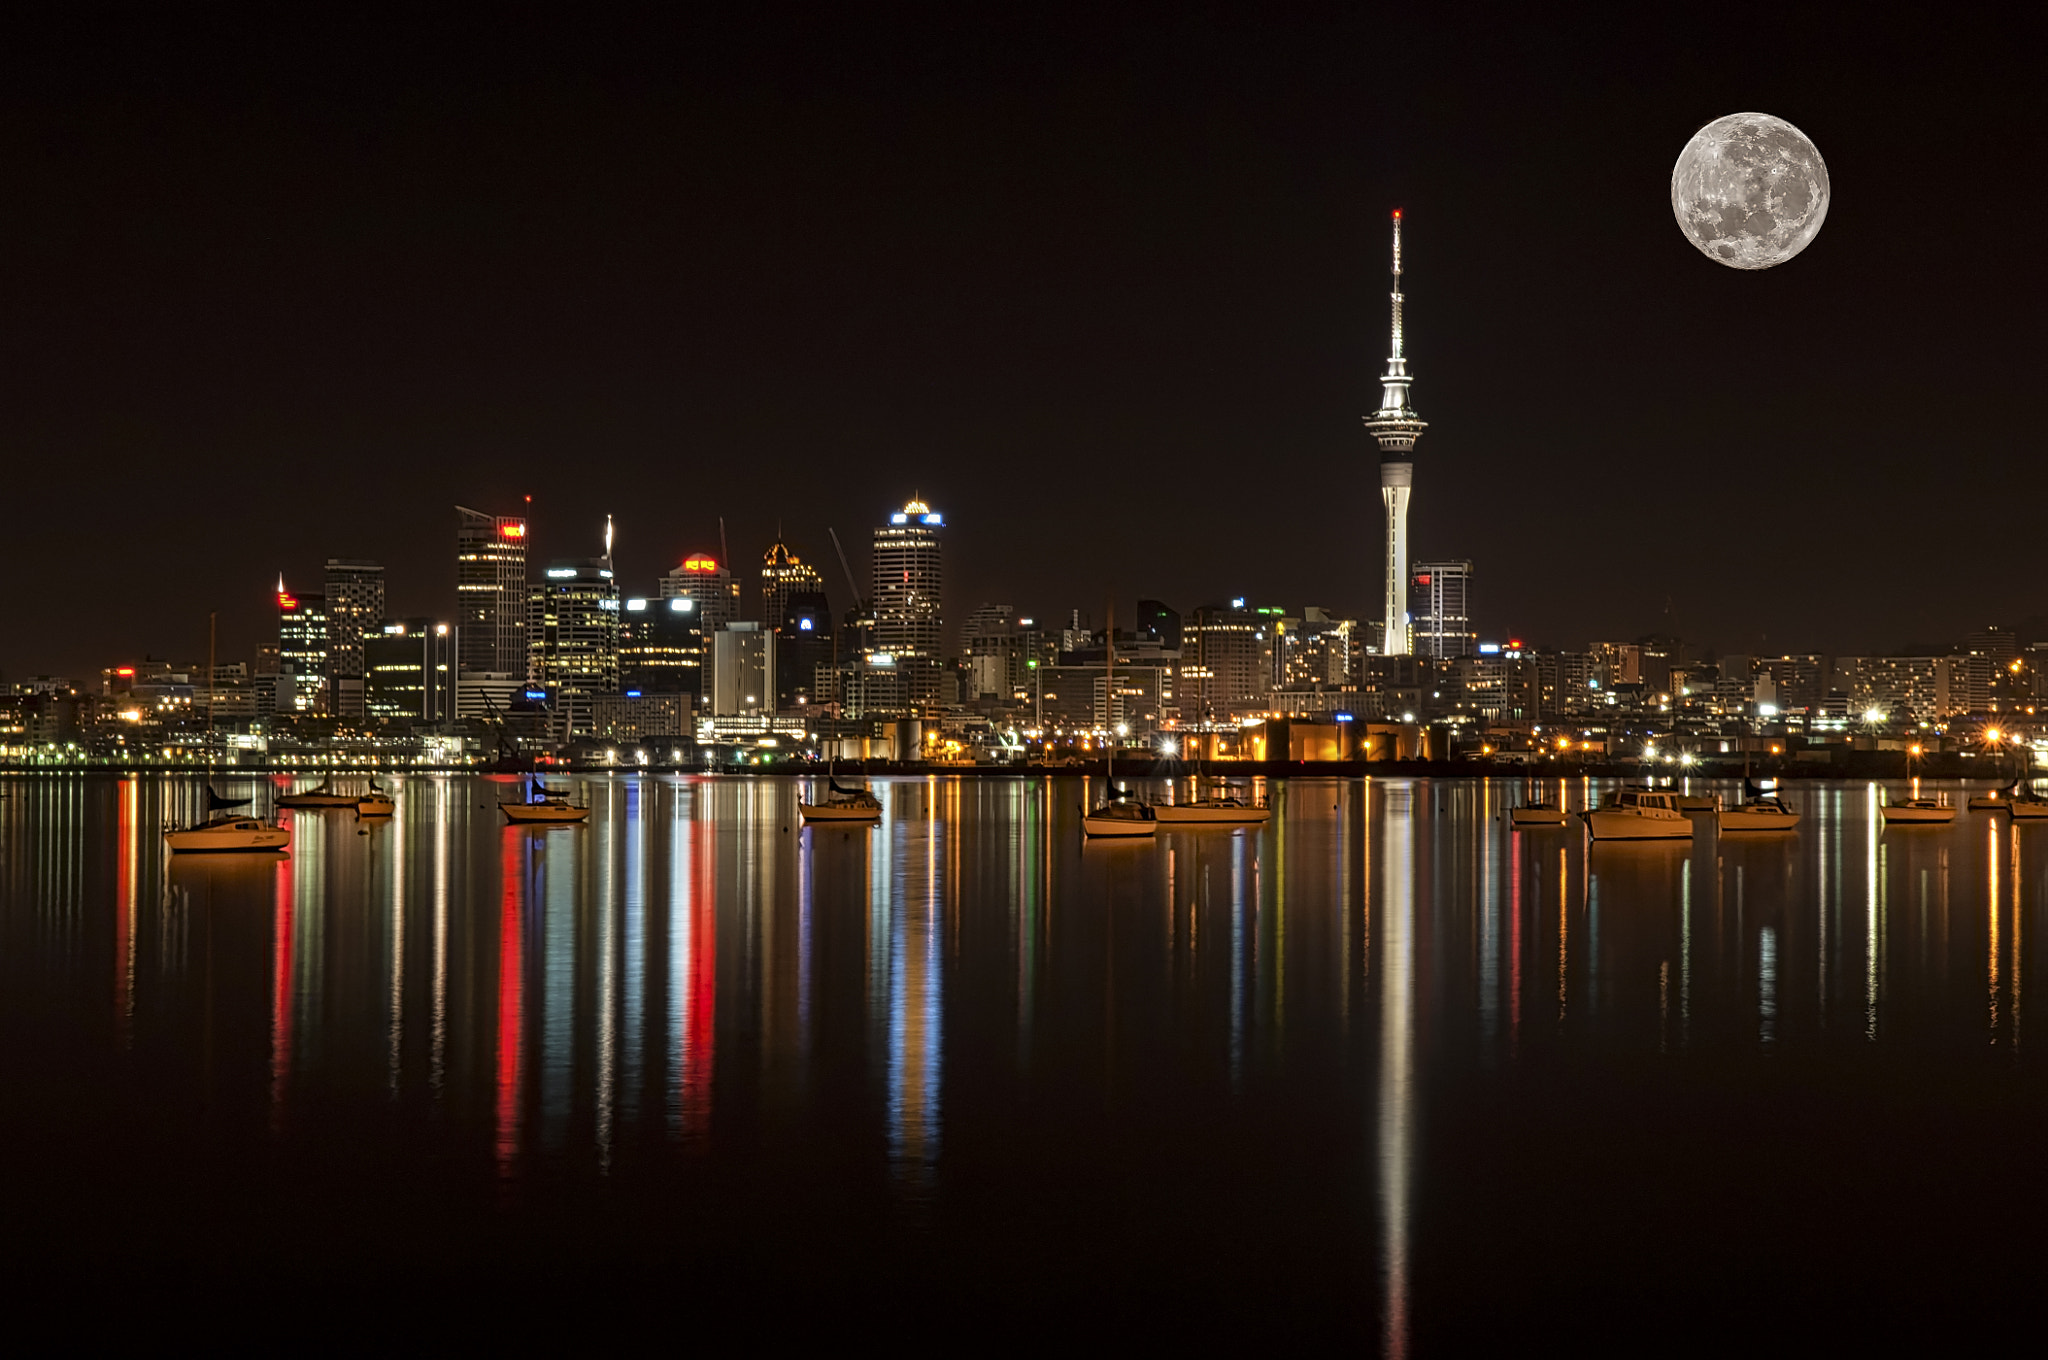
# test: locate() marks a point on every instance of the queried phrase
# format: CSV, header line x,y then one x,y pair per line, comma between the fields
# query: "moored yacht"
x,y
321,795
1916,812
842,804
1639,815
2028,807
1119,817
543,806
230,831
1759,814
1536,814
1220,806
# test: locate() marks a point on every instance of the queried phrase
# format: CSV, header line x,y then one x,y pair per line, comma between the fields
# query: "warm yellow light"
x,y
1993,734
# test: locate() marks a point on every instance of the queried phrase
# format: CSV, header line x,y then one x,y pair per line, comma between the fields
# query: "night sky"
x,y
1111,294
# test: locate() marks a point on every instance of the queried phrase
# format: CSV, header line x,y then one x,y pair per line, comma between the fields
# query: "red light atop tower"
x,y
1397,214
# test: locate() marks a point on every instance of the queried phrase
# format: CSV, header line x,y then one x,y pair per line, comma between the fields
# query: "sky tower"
x,y
1395,426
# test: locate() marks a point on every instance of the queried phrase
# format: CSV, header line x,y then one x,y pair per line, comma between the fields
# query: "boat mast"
x,y
1109,692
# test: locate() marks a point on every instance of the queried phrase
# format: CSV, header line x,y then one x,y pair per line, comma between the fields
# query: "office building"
x,y
409,671
1223,669
742,662
490,592
355,610
301,651
1395,427
575,641
714,594
1439,611
783,574
802,638
909,583
661,649
1162,623
803,646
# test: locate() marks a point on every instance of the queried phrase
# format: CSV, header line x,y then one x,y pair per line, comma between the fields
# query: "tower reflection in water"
x,y
968,995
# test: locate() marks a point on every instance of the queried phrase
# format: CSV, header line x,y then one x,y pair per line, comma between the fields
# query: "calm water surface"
x,y
1384,1072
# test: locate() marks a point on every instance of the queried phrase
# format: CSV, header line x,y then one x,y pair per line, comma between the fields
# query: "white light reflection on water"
x,y
1397,1057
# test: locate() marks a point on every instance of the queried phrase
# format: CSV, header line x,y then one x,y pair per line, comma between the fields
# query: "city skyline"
x,y
1128,280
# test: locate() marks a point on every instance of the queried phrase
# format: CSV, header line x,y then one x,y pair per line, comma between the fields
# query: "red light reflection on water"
x,y
511,999
700,996
282,921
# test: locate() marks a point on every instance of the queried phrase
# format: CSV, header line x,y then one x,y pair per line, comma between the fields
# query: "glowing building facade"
x,y
909,583
302,651
575,649
355,610
490,592
1396,427
716,595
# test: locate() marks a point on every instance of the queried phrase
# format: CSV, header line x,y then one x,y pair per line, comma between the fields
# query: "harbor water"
x,y
1385,1071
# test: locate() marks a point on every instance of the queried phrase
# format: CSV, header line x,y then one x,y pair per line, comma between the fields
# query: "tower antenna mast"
x,y
1395,427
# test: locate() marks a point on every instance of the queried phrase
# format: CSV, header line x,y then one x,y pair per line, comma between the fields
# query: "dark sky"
x,y
1111,293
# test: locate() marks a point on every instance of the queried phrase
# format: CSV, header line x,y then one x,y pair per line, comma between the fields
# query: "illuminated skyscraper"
x,y
355,609
909,582
783,574
490,592
575,630
302,650
715,593
1396,428
1441,608
660,649
802,637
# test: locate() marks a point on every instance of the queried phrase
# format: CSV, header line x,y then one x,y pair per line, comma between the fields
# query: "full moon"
x,y
1749,191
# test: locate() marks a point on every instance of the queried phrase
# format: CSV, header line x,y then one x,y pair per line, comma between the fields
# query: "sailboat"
x,y
842,804
230,831
1537,812
321,795
544,806
1916,811
1220,805
2025,805
1121,815
1761,810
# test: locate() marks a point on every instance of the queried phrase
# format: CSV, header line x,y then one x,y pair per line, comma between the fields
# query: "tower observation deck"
x,y
1396,427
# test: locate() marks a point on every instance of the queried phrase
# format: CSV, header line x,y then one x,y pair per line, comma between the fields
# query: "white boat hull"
x,y
827,812
202,840
1202,814
2027,810
1916,816
530,814
1103,826
1751,819
1528,816
1628,824
1988,802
